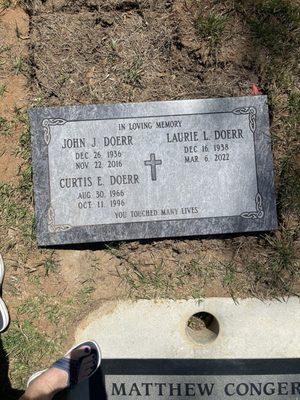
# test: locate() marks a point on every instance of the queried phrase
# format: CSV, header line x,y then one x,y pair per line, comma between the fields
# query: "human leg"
x,y
77,365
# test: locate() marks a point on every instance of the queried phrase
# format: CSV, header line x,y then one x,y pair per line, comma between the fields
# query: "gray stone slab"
x,y
149,170
181,379
205,379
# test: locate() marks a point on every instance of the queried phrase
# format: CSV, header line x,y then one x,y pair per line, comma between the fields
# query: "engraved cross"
x,y
153,163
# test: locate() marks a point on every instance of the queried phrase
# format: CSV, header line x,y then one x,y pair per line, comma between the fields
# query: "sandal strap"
x,y
71,367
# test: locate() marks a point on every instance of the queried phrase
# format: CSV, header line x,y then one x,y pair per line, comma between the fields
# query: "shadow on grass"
x,y
274,24
6,391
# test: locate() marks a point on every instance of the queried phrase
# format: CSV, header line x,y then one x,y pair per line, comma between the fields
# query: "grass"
x,y
24,142
15,214
289,189
25,182
154,279
15,200
26,343
19,66
5,4
274,23
5,127
84,293
4,48
211,27
25,346
271,272
145,282
287,143
2,90
275,26
38,332
229,277
133,75
12,213
50,265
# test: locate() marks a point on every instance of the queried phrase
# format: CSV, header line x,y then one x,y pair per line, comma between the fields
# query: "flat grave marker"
x,y
248,349
149,170
184,379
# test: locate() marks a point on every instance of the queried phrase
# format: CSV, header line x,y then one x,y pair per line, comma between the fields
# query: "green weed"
x,y
211,28
25,183
84,294
5,127
19,66
5,4
283,256
113,44
4,48
230,274
24,144
197,294
21,115
133,75
32,307
50,265
2,90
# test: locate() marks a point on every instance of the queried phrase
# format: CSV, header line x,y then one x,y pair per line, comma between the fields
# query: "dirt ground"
x,y
63,52
151,53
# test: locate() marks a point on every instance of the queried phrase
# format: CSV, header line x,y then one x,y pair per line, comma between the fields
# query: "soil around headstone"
x,y
128,53
15,91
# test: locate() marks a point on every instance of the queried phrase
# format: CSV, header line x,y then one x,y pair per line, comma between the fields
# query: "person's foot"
x,y
1,271
76,366
4,317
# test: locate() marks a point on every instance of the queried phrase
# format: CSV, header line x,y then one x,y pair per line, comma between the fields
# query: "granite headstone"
x,y
185,379
149,170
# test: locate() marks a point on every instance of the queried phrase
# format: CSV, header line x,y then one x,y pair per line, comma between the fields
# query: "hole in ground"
x,y
202,328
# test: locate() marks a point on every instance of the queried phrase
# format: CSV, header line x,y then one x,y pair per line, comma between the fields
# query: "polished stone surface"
x,y
146,170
